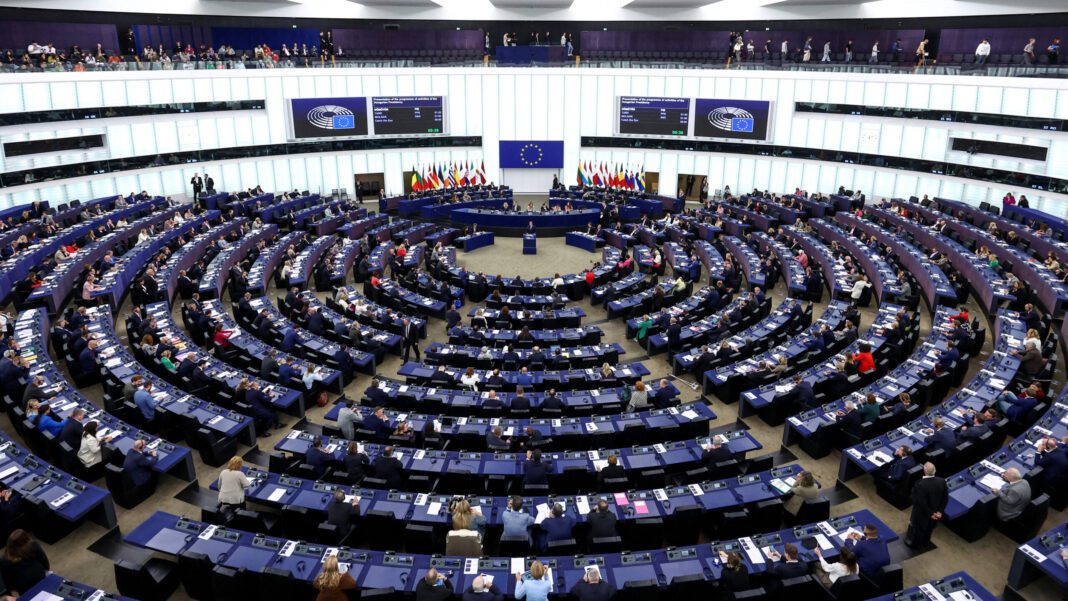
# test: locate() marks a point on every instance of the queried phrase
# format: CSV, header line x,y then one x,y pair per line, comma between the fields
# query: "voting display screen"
x,y
654,116
401,115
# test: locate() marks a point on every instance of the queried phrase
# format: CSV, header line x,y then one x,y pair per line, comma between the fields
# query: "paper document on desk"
x,y
992,482
848,533
690,414
824,542
433,508
582,504
880,458
276,495
541,515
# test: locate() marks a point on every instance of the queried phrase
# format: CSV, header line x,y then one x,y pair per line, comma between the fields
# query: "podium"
x,y
530,244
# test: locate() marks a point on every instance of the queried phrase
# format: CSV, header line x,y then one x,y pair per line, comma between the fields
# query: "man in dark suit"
x,y
520,403
317,458
388,468
316,322
551,401
942,437
1053,460
198,185
602,521
410,335
896,470
492,401
137,466
784,566
268,367
929,498
378,423
803,392
534,471
849,419
186,366
872,554
452,318
975,431
664,394
495,439
674,335
87,358
342,514
209,184
537,356
612,471
72,429
715,453
949,356
264,416
286,372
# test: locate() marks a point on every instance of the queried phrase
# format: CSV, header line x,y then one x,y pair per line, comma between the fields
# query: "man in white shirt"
x,y
826,53
785,50
874,58
982,51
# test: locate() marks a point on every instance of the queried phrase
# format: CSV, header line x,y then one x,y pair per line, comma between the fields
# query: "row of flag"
x,y
605,176
456,175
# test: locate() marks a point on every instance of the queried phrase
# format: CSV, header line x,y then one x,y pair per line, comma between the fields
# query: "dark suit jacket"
x,y
929,495
137,467
611,472
71,433
388,469
535,473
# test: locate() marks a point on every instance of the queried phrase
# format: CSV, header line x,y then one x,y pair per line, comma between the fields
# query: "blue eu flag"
x,y
344,122
742,125
531,154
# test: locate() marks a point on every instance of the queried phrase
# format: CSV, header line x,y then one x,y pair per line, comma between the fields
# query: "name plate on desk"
x,y
1032,553
931,592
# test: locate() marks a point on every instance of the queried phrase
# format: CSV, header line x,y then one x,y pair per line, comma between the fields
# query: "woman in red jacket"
x,y
864,359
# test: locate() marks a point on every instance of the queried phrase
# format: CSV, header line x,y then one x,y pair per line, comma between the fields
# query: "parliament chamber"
x,y
563,299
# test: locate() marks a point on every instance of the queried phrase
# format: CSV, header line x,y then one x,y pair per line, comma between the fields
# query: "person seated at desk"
x,y
535,472
466,517
318,458
524,377
559,525
434,586
388,468
71,433
492,401
898,469
331,583
535,588
47,421
1013,496
23,563
1031,360
355,462
479,591
901,407
602,521
784,566
347,419
975,431
869,411
520,403
36,390
864,359
342,514
495,439
850,420
287,372
872,554
949,357
1053,459
232,484
89,451
1016,406
137,466
735,575
804,489
551,402
264,416
829,573
941,437
378,423
715,453
592,587
665,394
612,471
516,522
403,433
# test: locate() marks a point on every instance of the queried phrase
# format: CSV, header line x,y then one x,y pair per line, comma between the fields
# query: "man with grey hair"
x,y
592,587
929,498
479,591
1014,496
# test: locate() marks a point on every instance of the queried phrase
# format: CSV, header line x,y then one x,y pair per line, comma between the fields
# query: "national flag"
x,y
415,181
456,175
464,180
579,179
596,179
641,179
441,176
482,173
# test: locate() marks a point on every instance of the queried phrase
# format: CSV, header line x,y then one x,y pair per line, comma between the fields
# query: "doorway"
x,y
367,185
690,185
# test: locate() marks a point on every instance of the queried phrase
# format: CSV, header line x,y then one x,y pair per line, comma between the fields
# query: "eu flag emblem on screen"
x,y
349,122
742,125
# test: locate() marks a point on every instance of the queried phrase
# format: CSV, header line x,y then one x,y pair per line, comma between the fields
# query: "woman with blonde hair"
x,y
606,371
331,583
232,484
1034,337
804,489
465,517
534,585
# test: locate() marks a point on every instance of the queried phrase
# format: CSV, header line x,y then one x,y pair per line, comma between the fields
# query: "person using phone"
x,y
534,584
434,586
